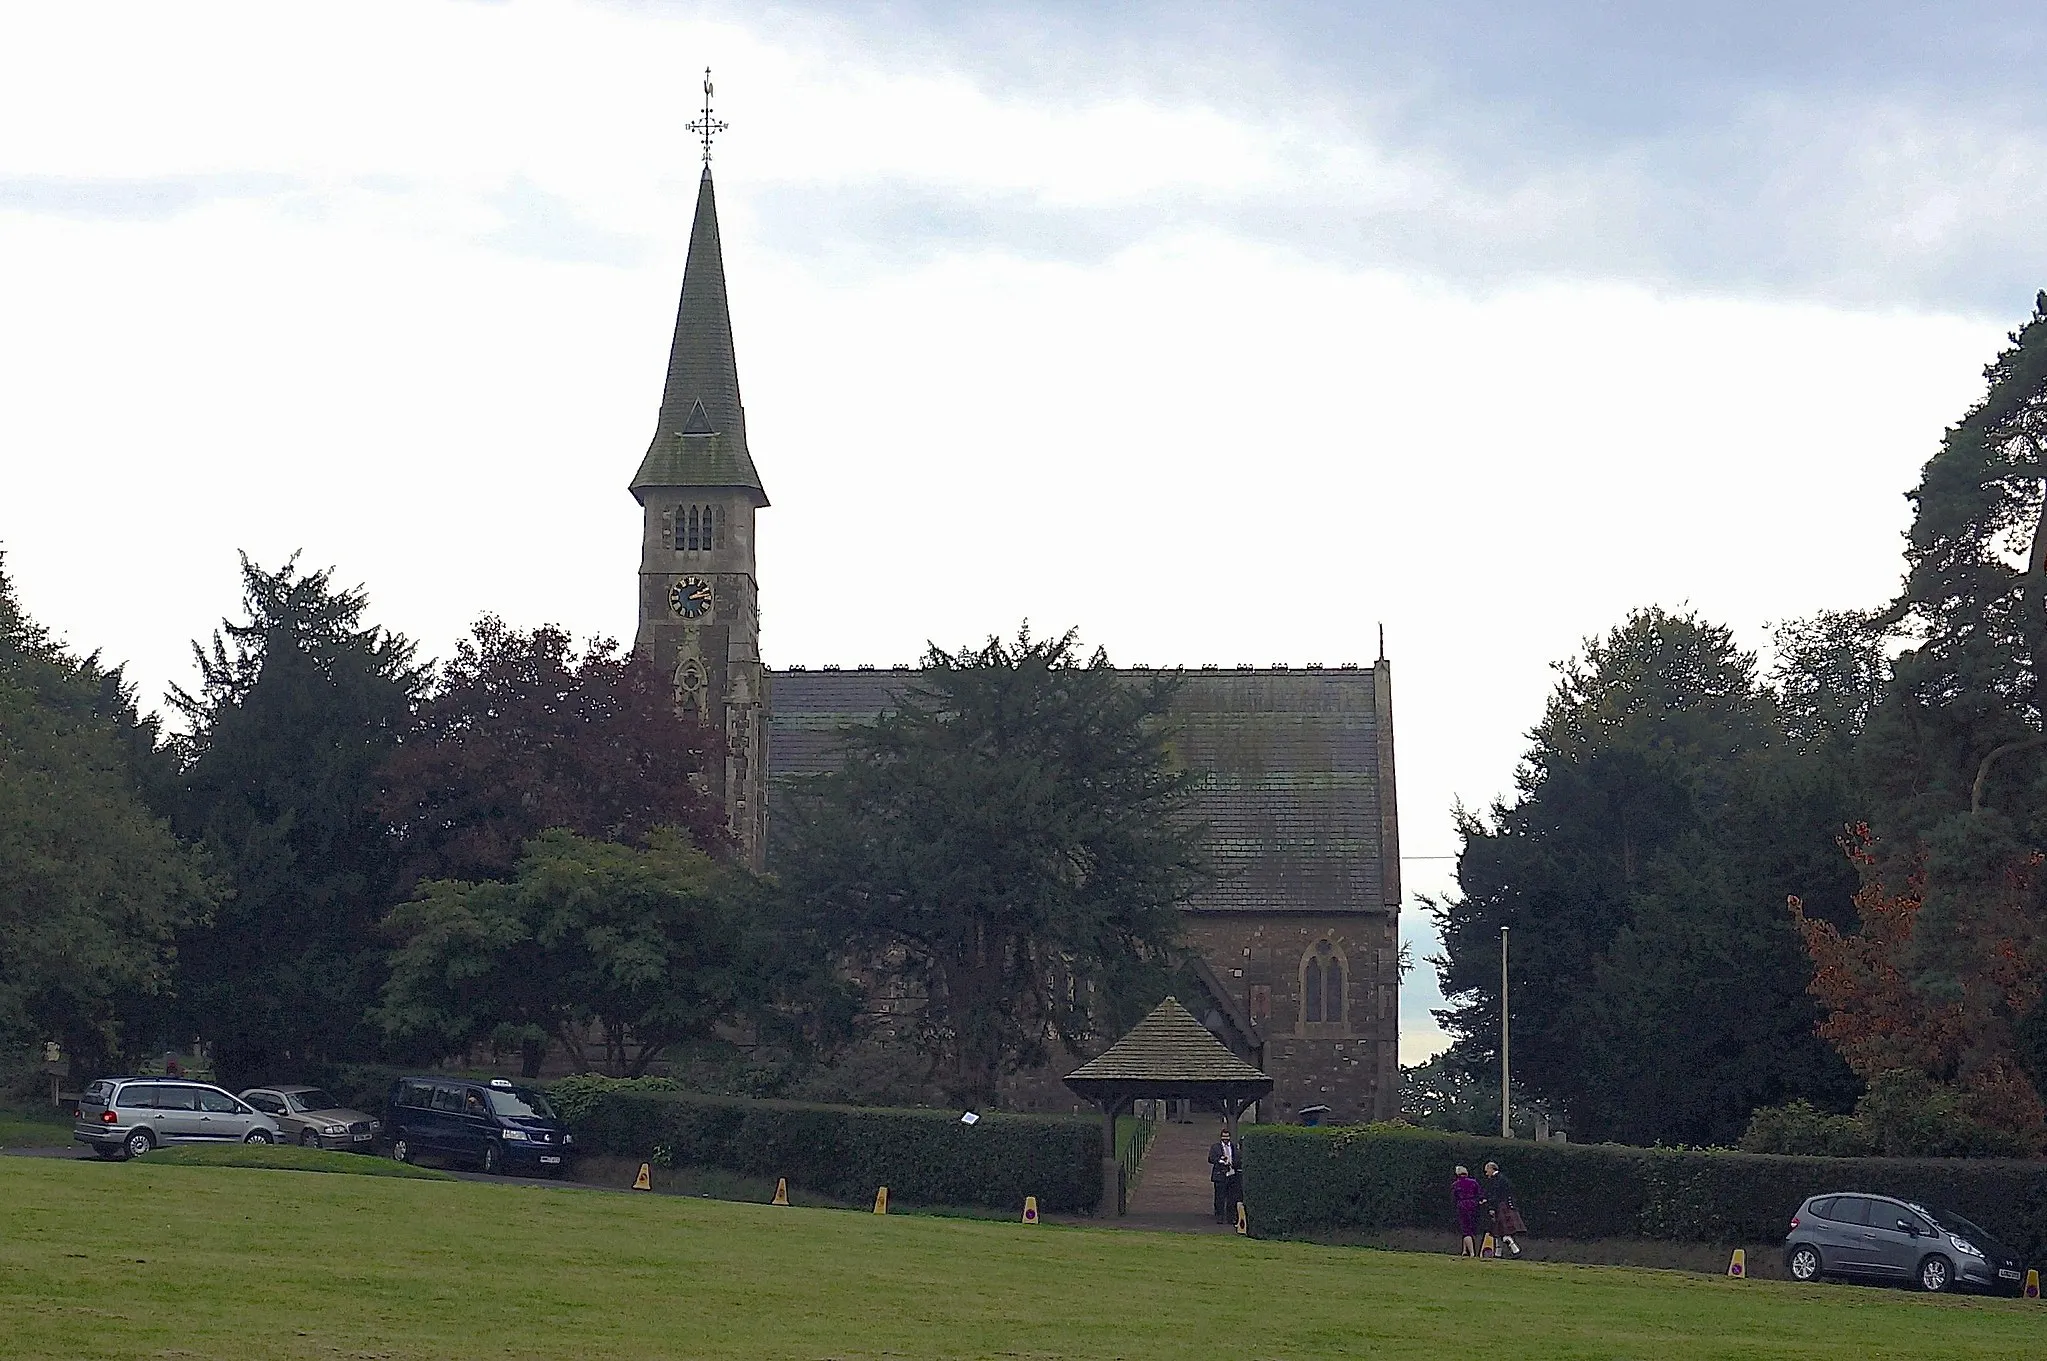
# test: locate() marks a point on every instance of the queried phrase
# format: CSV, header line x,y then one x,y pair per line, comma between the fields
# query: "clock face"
x,y
690,597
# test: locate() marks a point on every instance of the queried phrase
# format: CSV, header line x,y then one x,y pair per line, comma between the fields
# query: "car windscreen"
x,y
520,1102
1954,1223
313,1101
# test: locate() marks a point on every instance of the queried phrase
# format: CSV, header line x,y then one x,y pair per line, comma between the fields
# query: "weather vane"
x,y
707,127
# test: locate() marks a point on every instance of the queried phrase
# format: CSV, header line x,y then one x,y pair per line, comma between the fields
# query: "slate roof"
x,y
1167,1054
700,436
1292,790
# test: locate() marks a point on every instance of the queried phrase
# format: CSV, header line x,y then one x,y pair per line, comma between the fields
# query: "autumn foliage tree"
x,y
1959,1042
522,733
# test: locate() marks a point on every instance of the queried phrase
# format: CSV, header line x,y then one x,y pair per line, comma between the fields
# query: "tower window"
x,y
693,529
1322,985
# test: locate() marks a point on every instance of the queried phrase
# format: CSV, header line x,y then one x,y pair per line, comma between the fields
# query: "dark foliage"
x,y
1006,849
1669,803
300,705
1300,1181
923,1156
521,734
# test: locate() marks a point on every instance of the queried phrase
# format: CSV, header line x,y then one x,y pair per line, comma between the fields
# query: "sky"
x,y
1224,333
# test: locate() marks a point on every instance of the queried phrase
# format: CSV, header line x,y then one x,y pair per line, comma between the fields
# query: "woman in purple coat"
x,y
1465,1192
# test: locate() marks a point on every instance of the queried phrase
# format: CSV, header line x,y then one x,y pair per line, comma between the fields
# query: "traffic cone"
x,y
781,1191
881,1201
1243,1220
1486,1249
1737,1265
645,1181
1030,1209
2032,1283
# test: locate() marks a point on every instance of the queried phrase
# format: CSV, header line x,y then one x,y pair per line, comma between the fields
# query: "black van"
x,y
495,1125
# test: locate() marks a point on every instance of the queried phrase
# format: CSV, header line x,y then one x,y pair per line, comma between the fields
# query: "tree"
x,y
298,709
1958,790
1661,814
652,946
93,886
1957,1050
1005,850
521,734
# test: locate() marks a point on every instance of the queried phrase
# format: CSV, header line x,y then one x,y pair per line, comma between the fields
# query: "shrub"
x,y
922,1156
1804,1128
1300,1181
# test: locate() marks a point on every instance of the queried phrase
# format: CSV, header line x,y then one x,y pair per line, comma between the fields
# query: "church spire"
x,y
700,438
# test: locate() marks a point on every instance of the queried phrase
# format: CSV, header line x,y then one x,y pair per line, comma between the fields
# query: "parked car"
x,y
125,1117
312,1118
1875,1238
496,1125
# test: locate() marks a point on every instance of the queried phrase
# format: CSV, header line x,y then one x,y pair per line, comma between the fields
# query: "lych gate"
x,y
1171,1056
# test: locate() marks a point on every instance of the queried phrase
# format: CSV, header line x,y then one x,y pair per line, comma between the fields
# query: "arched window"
x,y
695,543
1322,985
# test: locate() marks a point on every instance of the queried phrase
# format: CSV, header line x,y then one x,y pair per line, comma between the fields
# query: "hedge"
x,y
923,1156
1307,1180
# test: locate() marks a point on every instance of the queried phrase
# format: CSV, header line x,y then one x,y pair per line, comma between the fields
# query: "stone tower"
x,y
698,491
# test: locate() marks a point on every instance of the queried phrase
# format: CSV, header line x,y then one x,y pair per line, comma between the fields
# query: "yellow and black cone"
x,y
1737,1265
1030,1209
1243,1220
645,1181
881,1200
1486,1249
781,1191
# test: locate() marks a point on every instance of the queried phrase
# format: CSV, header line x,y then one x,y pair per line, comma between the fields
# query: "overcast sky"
x,y
1226,333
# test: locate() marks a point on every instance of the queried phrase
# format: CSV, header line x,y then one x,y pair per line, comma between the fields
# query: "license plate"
x,y
547,1161
2004,1275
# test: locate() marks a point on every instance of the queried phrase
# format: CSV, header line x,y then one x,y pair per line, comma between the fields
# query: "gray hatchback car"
x,y
1876,1238
125,1117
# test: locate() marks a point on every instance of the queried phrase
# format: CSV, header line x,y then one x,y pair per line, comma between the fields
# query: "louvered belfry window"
x,y
693,529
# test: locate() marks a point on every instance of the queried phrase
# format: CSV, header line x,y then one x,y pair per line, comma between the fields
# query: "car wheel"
x,y
1936,1274
1805,1263
308,1139
401,1151
490,1159
137,1144
258,1136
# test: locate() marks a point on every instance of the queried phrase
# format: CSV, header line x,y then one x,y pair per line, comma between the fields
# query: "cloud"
x,y
545,226
134,200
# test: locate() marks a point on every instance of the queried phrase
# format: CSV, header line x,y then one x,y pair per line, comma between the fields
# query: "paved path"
x,y
1174,1191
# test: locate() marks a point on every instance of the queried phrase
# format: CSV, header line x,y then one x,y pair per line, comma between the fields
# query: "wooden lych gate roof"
x,y
1168,1054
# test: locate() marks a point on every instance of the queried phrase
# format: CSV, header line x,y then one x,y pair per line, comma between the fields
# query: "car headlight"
x,y
331,1130
1964,1246
568,1138
518,1135
376,1125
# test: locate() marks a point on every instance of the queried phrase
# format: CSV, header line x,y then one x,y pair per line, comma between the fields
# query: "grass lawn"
x,y
146,1258
291,1158
34,1127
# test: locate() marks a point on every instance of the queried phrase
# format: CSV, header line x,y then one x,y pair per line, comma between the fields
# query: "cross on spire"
x,y
707,127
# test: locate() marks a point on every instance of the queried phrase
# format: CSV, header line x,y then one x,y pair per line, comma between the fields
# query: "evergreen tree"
x,y
1954,752
1661,816
298,709
1006,849
93,886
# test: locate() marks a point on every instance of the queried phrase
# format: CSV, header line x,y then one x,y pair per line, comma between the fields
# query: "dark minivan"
x,y
494,1125
1876,1238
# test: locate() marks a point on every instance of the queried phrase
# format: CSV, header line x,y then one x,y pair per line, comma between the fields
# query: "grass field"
x,y
37,1126
146,1259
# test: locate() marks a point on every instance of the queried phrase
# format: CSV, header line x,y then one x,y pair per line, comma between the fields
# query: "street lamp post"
x,y
1506,1072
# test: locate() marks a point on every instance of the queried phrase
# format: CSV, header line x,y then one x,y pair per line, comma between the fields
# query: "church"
x,y
1298,936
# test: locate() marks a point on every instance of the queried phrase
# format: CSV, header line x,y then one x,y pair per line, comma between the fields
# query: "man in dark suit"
x,y
1226,1173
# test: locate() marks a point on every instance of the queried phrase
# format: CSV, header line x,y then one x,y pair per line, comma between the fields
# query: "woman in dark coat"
x,y
1466,1193
1507,1221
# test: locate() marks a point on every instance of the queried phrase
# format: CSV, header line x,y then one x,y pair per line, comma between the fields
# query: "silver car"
x,y
125,1117
314,1119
